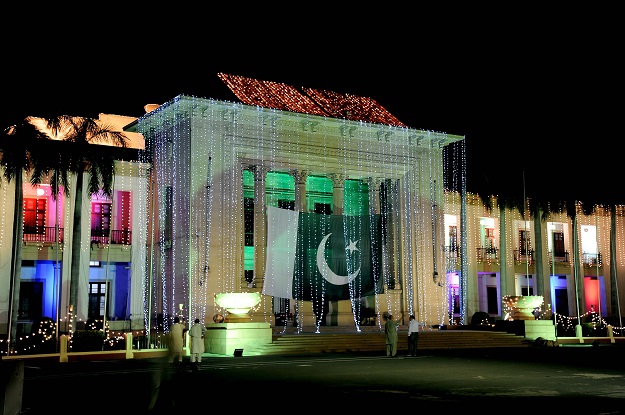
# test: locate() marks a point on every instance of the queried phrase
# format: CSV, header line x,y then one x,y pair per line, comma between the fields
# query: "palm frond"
x,y
19,147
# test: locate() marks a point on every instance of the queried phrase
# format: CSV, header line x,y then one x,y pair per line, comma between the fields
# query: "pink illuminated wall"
x,y
592,290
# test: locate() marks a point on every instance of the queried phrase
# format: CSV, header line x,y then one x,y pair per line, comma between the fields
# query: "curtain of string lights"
x,y
203,158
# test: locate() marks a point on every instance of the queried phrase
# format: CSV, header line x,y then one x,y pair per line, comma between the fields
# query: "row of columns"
x,y
300,178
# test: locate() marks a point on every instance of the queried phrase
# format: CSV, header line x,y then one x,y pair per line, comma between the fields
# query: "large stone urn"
x,y
238,305
521,307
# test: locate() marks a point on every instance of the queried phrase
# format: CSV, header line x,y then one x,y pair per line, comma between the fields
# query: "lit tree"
x,y
79,154
21,149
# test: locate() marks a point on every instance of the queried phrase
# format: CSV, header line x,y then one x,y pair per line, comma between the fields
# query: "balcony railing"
x,y
42,234
487,254
105,237
452,251
560,256
591,260
523,255
47,234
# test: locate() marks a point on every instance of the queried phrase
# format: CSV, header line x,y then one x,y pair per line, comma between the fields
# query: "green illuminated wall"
x,y
281,187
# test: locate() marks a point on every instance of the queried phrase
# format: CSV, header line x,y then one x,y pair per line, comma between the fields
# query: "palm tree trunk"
x,y
538,252
577,271
614,296
16,257
76,244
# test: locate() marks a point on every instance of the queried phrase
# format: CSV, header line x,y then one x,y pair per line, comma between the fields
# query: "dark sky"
x,y
538,103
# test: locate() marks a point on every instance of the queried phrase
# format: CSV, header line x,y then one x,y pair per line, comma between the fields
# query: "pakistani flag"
x,y
313,256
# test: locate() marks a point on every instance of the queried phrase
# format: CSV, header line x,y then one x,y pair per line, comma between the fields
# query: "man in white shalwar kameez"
x,y
197,341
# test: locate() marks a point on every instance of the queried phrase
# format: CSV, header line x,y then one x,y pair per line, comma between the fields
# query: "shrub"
x,y
481,318
42,338
87,340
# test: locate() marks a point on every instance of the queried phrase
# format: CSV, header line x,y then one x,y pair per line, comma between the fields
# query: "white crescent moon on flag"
x,y
325,270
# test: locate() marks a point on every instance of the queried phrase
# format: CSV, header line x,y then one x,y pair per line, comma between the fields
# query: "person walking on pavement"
x,y
176,340
390,330
414,327
196,333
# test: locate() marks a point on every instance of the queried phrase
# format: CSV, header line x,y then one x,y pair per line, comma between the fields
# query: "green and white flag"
x,y
314,256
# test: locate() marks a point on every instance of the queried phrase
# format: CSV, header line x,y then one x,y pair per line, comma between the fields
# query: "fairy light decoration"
x,y
270,131
226,126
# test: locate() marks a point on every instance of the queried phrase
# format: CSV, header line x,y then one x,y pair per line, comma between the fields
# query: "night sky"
x,y
539,103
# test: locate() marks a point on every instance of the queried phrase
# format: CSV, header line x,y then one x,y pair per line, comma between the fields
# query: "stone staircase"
x,y
335,340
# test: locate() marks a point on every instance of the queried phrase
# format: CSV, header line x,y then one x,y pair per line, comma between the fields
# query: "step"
x,y
334,341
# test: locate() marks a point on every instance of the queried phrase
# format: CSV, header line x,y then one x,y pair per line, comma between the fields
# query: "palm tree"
x,y
20,147
79,154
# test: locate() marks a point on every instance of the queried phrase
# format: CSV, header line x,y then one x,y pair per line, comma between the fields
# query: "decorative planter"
x,y
521,307
237,305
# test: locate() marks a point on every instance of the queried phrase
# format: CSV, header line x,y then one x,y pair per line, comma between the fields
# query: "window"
x,y
248,220
323,208
101,221
168,227
524,241
34,216
453,238
249,275
97,298
125,234
286,204
454,298
492,300
384,211
562,301
31,300
558,244
489,239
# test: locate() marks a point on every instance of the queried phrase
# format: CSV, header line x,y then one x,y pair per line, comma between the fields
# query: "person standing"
x,y
390,330
176,340
414,327
196,333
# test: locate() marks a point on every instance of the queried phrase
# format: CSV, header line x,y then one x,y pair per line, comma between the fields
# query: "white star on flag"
x,y
352,246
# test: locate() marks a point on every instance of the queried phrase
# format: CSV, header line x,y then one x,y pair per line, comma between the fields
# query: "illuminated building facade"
x,y
189,220
218,166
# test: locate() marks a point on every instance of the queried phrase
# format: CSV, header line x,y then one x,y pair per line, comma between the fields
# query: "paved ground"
x,y
501,381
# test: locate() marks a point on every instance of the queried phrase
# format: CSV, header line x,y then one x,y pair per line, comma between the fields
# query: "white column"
x,y
300,177
374,194
260,224
334,307
338,183
296,307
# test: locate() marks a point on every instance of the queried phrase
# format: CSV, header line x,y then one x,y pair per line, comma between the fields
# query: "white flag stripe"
x,y
281,248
